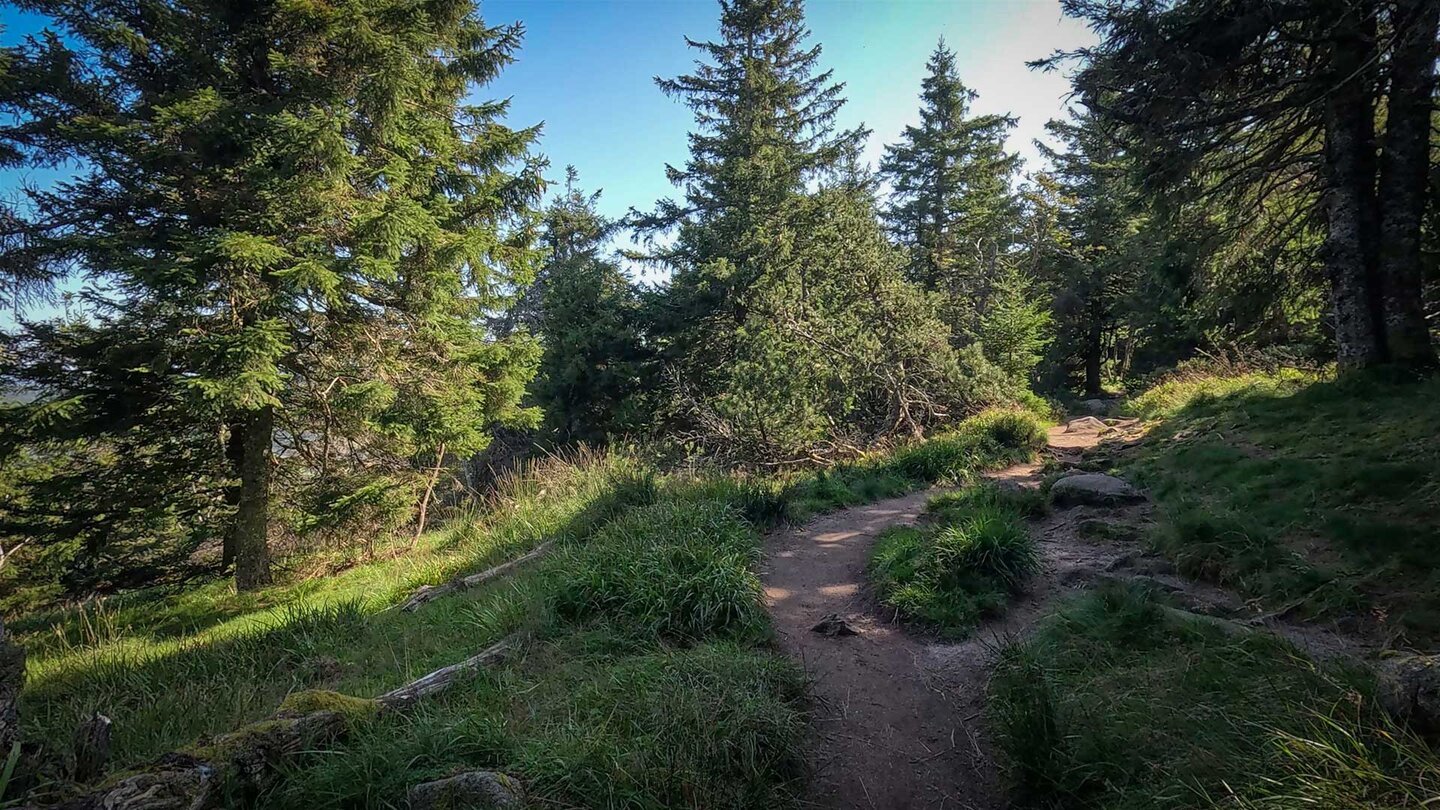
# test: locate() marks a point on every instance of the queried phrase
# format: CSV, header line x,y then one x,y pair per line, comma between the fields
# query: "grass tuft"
x,y
965,566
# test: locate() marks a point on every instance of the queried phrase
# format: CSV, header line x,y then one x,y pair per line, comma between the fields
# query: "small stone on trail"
x,y
1093,489
472,790
833,625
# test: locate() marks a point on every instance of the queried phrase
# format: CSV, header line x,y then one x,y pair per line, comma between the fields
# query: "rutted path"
x,y
899,719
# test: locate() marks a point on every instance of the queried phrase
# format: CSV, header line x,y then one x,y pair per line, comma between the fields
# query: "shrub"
x,y
1011,429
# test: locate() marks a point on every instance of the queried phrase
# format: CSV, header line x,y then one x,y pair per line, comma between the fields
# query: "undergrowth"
x,y
1117,703
964,565
647,681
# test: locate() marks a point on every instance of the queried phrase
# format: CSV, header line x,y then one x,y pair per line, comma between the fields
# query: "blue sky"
x,y
588,66
587,72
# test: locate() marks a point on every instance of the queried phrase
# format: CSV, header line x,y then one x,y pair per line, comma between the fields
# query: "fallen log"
x,y
445,677
248,761
427,593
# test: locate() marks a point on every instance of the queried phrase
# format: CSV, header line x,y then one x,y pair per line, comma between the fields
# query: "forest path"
x,y
899,720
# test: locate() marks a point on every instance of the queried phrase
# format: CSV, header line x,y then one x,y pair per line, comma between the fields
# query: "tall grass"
x,y
1116,703
646,683
960,569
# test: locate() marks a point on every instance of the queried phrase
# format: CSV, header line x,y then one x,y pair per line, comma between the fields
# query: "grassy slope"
x,y
1318,495
1301,492
1115,704
648,682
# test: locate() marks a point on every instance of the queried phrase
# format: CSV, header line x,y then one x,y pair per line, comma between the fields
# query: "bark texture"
x,y
1403,173
252,515
1350,195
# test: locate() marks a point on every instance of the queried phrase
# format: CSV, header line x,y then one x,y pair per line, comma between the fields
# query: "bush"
x,y
1012,429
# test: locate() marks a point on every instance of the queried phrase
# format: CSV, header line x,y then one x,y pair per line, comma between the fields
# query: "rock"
x,y
1086,424
1093,489
472,790
1409,688
833,625
1099,407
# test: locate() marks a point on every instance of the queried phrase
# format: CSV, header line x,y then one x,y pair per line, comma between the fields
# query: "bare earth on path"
x,y
899,719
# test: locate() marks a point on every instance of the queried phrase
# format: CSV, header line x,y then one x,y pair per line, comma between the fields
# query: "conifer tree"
x,y
290,223
587,318
952,205
764,116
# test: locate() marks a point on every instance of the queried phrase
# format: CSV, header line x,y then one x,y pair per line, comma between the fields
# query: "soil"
x,y
899,719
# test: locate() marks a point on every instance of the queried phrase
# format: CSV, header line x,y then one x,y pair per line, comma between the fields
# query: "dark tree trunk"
x,y
252,515
234,455
1403,173
1350,196
1094,354
12,678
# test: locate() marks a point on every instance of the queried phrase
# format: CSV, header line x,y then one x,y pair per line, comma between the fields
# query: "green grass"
x,y
1317,495
647,681
963,566
1116,703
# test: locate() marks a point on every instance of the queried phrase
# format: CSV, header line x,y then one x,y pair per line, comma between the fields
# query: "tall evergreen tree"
x,y
1240,102
952,203
764,117
587,315
291,224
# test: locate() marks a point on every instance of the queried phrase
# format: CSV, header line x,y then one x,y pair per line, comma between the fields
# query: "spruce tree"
x,y
587,315
764,116
952,205
290,219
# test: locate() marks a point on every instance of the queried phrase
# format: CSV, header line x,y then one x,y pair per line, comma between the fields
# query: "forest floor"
x,y
900,717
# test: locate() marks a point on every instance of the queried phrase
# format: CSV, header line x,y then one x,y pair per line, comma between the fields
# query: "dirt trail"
x,y
899,718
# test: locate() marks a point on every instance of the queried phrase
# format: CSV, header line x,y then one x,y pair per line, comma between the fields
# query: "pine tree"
x,y
764,128
587,318
1239,103
292,205
952,204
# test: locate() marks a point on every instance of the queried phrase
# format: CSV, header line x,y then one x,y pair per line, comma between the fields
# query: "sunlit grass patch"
x,y
963,567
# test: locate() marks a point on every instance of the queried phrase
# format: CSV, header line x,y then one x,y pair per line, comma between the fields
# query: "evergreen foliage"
x,y
290,223
953,205
592,370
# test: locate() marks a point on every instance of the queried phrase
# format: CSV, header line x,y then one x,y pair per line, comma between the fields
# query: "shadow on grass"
x,y
1321,496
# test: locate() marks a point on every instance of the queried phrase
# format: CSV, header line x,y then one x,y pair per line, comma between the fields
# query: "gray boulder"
x,y
1086,424
1409,688
472,790
1093,489
1099,407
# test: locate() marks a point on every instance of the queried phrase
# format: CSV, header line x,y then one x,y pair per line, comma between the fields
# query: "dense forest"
x,y
327,298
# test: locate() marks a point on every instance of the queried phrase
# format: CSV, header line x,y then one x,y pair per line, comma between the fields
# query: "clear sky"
x,y
587,71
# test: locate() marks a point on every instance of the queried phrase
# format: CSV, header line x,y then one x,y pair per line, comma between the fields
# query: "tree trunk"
x,y
252,516
234,455
1350,199
1094,354
12,678
1404,170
